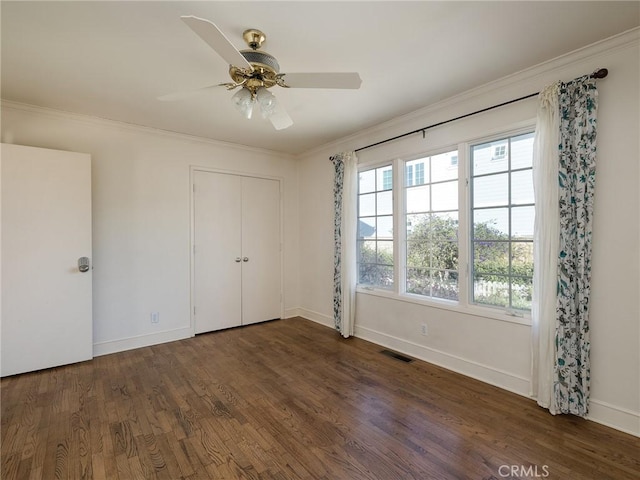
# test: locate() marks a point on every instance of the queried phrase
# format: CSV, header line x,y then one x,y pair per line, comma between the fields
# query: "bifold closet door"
x,y
237,259
261,267
217,241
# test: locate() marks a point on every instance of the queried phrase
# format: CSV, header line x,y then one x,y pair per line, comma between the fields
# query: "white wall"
x,y
492,348
141,216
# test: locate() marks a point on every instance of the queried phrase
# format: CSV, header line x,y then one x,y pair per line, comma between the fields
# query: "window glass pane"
x,y
418,281
367,205
444,226
384,178
385,203
378,275
418,254
491,258
444,196
367,181
419,174
492,290
444,284
522,151
522,187
366,252
490,191
418,199
409,175
522,219
522,293
491,224
420,169
444,255
522,258
366,227
385,252
384,227
485,160
443,167
416,225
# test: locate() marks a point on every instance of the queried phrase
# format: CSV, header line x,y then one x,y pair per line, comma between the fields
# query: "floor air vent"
x,y
396,355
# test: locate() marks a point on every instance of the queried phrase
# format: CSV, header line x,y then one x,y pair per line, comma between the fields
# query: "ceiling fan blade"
x,y
217,40
280,119
322,80
171,97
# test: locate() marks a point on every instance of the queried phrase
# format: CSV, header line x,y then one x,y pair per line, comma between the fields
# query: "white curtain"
x,y
546,246
345,230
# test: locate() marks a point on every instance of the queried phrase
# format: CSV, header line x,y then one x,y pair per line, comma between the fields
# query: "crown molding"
x,y
131,127
518,82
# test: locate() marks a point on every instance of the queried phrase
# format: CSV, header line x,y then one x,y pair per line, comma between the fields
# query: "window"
x,y
462,232
499,152
502,216
387,179
416,178
375,227
431,219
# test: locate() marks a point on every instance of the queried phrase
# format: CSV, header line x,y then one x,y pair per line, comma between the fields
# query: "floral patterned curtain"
x,y
576,176
345,190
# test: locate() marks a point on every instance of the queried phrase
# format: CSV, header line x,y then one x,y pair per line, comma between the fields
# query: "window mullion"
x,y
464,227
399,227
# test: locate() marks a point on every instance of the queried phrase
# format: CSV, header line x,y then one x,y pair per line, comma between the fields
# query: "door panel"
x,y
217,275
46,226
261,274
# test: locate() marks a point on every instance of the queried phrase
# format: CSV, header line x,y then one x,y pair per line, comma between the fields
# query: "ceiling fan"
x,y
255,71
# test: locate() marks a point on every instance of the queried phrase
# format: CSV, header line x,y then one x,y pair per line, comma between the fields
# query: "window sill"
x,y
474,310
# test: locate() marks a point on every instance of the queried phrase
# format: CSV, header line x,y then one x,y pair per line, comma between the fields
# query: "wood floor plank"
x,y
286,400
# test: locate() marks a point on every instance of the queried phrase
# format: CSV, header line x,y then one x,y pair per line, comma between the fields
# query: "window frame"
x,y
508,136
403,213
366,168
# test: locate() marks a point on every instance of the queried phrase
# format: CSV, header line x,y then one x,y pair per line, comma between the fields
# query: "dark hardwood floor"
x,y
288,399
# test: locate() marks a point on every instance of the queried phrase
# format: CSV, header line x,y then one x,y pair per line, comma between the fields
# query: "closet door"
x,y
261,266
237,256
217,257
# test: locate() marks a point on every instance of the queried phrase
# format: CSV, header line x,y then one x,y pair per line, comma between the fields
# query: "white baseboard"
x,y
114,346
499,378
614,417
320,318
292,312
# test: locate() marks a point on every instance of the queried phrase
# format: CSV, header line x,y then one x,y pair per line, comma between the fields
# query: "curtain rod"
x,y
600,73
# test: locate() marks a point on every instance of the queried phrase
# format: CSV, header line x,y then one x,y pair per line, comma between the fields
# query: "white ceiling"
x,y
112,59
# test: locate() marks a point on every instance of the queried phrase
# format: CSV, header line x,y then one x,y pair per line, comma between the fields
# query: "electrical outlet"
x,y
155,317
423,329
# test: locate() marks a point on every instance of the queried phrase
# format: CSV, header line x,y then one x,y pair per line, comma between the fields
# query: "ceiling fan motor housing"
x,y
265,70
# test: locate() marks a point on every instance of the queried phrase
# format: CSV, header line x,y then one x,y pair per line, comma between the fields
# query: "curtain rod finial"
x,y
600,73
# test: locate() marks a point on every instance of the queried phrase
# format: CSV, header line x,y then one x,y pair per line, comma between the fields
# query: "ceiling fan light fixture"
x,y
267,102
243,101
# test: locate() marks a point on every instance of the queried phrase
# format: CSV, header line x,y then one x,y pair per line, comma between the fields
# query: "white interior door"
x,y
262,265
46,227
237,259
217,257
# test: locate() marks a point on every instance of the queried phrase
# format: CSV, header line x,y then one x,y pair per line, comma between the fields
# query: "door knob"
x,y
238,259
83,264
245,259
